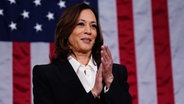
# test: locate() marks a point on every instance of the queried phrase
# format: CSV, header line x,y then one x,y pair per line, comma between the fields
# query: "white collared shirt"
x,y
86,74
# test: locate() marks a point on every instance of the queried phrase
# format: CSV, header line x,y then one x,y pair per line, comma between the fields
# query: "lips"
x,y
86,40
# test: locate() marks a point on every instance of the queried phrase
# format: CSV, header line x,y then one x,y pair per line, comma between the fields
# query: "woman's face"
x,y
84,34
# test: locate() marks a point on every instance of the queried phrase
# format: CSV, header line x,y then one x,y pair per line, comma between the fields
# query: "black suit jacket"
x,y
59,84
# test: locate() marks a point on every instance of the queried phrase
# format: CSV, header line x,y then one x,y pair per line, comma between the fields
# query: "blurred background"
x,y
147,36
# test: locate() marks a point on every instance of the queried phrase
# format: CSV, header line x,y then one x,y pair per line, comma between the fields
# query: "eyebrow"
x,y
85,20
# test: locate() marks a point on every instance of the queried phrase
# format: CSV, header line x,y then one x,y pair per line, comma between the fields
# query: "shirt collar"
x,y
92,64
75,64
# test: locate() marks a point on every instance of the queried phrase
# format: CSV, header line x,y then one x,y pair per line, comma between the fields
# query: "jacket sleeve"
x,y
119,89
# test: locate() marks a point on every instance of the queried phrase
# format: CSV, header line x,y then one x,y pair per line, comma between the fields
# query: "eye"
x,y
94,26
80,24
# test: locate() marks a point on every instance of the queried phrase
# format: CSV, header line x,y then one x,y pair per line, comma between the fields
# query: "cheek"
x,y
71,40
94,36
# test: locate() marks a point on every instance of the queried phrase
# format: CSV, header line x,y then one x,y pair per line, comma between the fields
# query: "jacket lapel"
x,y
69,77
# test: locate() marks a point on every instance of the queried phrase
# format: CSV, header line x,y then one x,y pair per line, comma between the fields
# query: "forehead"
x,y
87,15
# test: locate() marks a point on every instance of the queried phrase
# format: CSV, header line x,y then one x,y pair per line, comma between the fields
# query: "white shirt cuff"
x,y
106,89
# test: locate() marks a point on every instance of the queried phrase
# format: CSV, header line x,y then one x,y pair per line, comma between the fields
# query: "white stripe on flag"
x,y
176,26
147,92
39,55
6,91
108,21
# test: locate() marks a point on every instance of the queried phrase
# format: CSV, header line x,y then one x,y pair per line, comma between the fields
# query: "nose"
x,y
88,29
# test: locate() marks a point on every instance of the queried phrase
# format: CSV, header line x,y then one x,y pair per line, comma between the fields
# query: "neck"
x,y
82,58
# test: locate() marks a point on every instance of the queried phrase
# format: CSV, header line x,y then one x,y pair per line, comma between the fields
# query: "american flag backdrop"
x,y
145,35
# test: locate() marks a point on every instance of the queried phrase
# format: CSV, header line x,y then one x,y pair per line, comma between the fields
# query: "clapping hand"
x,y
107,61
104,73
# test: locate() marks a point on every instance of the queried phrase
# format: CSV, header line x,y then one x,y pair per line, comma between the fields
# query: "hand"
x,y
107,62
97,89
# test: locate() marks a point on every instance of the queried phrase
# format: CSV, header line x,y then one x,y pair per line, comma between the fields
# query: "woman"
x,y
82,72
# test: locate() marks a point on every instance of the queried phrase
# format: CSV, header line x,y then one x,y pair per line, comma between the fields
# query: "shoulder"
x,y
115,65
51,69
119,67
44,67
120,70
50,66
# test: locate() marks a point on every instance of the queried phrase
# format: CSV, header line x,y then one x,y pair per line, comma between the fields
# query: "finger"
x,y
104,54
103,57
108,51
103,62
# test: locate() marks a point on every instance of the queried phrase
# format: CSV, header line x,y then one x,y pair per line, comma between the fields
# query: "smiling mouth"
x,y
86,40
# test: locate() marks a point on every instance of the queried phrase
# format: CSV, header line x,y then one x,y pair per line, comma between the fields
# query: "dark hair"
x,y
66,25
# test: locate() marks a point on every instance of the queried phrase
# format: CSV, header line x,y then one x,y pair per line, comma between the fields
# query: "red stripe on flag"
x,y
52,51
21,73
162,52
126,43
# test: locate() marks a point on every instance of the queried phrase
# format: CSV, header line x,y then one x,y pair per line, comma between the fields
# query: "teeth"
x,y
86,39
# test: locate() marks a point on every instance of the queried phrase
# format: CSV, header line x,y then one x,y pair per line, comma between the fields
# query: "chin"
x,y
86,50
